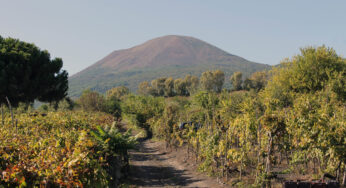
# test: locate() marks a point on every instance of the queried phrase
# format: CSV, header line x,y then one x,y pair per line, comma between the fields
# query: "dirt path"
x,y
151,166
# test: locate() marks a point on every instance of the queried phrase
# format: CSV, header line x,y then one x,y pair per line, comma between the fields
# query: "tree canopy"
x,y
236,80
91,101
212,80
256,81
314,68
28,73
117,92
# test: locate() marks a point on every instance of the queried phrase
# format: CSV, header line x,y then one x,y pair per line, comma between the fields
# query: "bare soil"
x,y
153,166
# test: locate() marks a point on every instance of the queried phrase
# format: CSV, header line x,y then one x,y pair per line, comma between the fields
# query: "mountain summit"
x,y
170,55
167,50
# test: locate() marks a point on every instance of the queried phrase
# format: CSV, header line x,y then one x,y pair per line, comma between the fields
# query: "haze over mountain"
x,y
165,56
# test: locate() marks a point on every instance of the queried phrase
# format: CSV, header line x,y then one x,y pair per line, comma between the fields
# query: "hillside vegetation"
x,y
169,56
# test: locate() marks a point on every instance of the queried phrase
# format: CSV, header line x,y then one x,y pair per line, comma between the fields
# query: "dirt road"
x,y
152,166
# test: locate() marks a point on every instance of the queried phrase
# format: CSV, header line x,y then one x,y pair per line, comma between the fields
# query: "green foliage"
x,y
237,80
94,101
112,141
257,81
212,81
312,70
169,87
113,99
24,107
192,84
180,87
28,73
159,86
338,85
117,93
43,108
144,88
91,101
163,126
66,104
142,108
207,101
277,93
290,118
113,106
58,149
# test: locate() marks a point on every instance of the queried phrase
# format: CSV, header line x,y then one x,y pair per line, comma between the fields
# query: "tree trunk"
x,y
268,161
9,105
344,178
287,159
259,143
226,153
197,151
241,169
338,172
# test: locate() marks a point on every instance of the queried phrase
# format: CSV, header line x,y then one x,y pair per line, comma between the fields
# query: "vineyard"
x,y
284,124
68,149
292,129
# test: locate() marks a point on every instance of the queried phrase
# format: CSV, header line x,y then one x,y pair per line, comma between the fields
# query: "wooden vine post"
x,y
10,106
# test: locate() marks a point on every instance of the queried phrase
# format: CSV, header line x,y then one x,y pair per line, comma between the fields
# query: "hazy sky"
x,y
83,31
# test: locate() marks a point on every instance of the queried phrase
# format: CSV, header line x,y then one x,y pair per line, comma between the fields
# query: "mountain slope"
x,y
170,55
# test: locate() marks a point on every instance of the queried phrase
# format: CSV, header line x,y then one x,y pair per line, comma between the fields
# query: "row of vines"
x,y
62,149
293,128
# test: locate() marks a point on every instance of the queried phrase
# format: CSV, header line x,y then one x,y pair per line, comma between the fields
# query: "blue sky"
x,y
83,31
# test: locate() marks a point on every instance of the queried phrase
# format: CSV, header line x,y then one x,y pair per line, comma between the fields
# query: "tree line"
x,y
211,81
